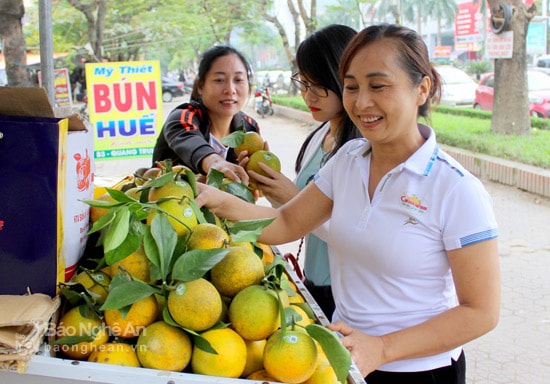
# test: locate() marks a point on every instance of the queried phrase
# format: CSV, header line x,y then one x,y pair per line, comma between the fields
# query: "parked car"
x,y
171,88
538,85
458,88
543,64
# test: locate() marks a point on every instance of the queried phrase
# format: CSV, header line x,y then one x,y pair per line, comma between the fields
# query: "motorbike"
x,y
264,105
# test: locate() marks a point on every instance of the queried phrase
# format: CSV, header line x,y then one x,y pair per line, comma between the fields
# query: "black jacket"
x,y
185,136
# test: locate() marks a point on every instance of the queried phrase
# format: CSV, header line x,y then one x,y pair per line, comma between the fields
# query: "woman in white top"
x,y
412,240
317,78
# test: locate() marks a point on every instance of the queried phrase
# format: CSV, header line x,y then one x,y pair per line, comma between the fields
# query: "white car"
x,y
458,88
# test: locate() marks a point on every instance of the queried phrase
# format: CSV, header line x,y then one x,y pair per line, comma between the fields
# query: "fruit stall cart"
x,y
141,223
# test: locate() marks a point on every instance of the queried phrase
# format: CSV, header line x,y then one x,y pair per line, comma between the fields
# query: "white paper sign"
x,y
499,46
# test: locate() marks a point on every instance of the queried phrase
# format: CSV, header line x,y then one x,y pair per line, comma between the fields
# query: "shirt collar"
x,y
421,161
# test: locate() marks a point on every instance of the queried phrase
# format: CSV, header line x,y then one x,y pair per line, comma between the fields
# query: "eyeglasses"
x,y
303,86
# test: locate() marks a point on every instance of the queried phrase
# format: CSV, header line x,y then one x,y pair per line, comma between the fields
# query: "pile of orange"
x,y
225,322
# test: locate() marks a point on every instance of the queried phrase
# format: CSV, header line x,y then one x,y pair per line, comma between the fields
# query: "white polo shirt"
x,y
387,257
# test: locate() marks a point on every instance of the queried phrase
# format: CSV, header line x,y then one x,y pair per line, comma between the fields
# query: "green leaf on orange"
x,y
338,356
194,264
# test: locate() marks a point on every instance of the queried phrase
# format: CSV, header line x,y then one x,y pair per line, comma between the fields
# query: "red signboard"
x,y
442,51
466,30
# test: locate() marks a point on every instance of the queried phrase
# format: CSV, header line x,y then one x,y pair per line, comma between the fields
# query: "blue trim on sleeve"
x,y
453,168
477,237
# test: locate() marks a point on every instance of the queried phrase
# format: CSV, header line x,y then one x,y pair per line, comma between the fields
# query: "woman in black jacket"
x,y
193,131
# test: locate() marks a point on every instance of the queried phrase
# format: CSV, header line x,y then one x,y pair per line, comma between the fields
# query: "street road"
x,y
517,350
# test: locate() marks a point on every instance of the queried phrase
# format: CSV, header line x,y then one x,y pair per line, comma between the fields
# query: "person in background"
x,y
317,78
192,133
413,238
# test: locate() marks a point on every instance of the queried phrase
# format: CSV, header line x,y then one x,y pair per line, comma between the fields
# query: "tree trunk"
x,y
280,28
13,43
511,101
95,23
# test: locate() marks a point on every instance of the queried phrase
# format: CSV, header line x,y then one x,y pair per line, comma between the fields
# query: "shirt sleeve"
x,y
183,134
468,215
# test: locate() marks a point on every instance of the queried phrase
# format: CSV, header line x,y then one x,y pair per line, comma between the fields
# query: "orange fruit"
x,y
254,313
136,264
230,359
182,216
134,193
98,191
95,282
260,375
116,354
252,142
296,299
143,176
290,356
97,213
254,356
207,236
267,253
305,320
281,295
142,313
195,305
323,374
240,268
162,346
266,157
245,244
81,321
173,188
286,281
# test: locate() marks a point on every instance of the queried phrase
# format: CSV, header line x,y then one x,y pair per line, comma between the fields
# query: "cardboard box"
x,y
46,169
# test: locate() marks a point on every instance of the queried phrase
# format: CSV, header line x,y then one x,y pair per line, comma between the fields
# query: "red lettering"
x,y
146,97
123,96
102,103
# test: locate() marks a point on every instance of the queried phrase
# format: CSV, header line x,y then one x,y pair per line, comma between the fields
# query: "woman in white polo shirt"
x,y
412,240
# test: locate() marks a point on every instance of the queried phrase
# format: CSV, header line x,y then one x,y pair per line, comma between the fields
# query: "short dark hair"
x,y
413,56
208,57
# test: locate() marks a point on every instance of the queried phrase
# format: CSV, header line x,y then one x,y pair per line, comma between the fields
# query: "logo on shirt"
x,y
410,220
413,202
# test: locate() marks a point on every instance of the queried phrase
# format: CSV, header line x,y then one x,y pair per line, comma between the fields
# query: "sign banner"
x,y
443,51
62,87
466,23
499,46
125,108
536,37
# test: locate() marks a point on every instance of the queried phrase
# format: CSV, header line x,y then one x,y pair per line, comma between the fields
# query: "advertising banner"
x,y
125,108
443,51
466,26
62,87
537,36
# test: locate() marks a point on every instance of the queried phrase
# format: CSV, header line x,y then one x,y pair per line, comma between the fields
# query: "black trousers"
x,y
323,296
451,374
